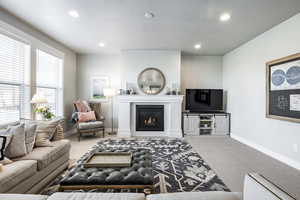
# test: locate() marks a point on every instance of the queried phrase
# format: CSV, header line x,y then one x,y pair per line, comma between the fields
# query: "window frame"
x,y
35,44
21,86
59,99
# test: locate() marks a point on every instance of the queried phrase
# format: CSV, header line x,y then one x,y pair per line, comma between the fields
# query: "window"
x,y
14,79
49,80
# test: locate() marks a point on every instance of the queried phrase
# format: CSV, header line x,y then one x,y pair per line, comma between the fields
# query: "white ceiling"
x,y
178,24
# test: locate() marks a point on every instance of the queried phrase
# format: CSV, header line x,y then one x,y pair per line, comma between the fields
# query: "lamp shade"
x,y
109,92
36,99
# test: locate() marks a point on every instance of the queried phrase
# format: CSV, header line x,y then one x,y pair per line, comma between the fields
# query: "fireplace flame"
x,y
149,121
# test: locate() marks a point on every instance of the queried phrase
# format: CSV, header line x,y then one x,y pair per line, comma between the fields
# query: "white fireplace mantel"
x,y
172,109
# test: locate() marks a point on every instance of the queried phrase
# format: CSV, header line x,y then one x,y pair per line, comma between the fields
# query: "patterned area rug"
x,y
176,166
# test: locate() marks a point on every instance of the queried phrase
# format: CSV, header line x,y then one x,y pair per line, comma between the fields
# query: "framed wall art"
x,y
283,88
98,83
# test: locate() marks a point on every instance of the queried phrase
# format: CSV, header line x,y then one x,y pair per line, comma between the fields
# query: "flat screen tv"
x,y
204,100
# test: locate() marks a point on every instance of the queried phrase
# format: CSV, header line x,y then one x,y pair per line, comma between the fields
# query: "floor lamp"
x,y
110,93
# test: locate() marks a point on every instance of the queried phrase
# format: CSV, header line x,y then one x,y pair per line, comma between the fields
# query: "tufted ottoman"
x,y
137,176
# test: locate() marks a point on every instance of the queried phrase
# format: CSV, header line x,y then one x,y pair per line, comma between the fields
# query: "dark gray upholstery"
x,y
140,173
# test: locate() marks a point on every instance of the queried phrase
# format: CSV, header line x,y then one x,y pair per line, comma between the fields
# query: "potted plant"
x,y
43,113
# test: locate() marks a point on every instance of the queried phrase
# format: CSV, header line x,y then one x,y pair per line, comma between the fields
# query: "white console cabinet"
x,y
206,123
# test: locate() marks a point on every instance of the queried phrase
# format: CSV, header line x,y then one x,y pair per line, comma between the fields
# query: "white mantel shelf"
x,y
150,98
126,114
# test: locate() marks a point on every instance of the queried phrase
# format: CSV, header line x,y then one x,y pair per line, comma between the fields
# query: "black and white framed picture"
x,y
2,146
283,88
98,83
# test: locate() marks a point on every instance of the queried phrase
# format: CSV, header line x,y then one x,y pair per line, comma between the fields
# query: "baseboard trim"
x,y
277,156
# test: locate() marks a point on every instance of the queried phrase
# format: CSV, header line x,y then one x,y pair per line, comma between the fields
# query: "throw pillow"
x,y
30,134
2,147
44,132
7,135
86,116
80,107
87,106
5,126
97,108
16,147
4,141
59,133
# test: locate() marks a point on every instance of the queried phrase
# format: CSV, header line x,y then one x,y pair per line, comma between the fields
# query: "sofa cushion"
x,y
47,155
16,172
16,147
90,125
97,196
22,197
213,195
258,187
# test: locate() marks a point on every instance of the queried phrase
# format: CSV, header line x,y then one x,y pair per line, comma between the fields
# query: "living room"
x,y
192,99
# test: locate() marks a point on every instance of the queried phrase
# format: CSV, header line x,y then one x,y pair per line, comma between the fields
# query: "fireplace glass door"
x,y
149,118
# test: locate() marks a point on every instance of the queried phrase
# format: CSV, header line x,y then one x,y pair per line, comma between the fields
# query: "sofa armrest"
x,y
258,187
210,195
101,118
94,196
22,197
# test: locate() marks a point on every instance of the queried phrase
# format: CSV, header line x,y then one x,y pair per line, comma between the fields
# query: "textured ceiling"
x,y
178,24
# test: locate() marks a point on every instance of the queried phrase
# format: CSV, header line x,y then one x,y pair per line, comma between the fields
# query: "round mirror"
x,y
151,81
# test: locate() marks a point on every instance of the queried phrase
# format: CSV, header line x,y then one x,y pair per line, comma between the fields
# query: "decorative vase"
x,y
39,116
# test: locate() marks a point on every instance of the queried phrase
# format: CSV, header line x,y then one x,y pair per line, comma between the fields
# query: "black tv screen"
x,y
204,100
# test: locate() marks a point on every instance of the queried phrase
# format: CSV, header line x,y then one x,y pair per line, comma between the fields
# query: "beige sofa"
x,y
256,187
31,173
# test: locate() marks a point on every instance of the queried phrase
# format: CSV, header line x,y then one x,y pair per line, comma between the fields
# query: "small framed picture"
x,y
98,83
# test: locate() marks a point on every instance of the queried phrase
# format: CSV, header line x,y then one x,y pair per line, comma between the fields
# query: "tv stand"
x,y
206,123
206,112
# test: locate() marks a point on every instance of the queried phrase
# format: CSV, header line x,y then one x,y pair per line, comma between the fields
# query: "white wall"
x,y
124,68
41,39
135,61
99,65
203,72
194,72
244,78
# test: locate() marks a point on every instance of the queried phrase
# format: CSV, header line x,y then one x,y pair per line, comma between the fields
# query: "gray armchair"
x,y
91,126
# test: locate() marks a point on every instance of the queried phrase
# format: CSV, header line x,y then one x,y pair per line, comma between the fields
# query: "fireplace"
x,y
149,117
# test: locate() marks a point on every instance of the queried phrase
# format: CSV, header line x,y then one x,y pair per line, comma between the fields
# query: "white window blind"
x,y
49,80
14,79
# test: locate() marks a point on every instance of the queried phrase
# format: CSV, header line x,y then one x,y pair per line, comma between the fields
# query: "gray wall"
x,y
69,57
244,72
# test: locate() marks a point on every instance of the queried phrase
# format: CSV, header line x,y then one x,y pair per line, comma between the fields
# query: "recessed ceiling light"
x,y
101,44
73,13
197,46
225,17
148,15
